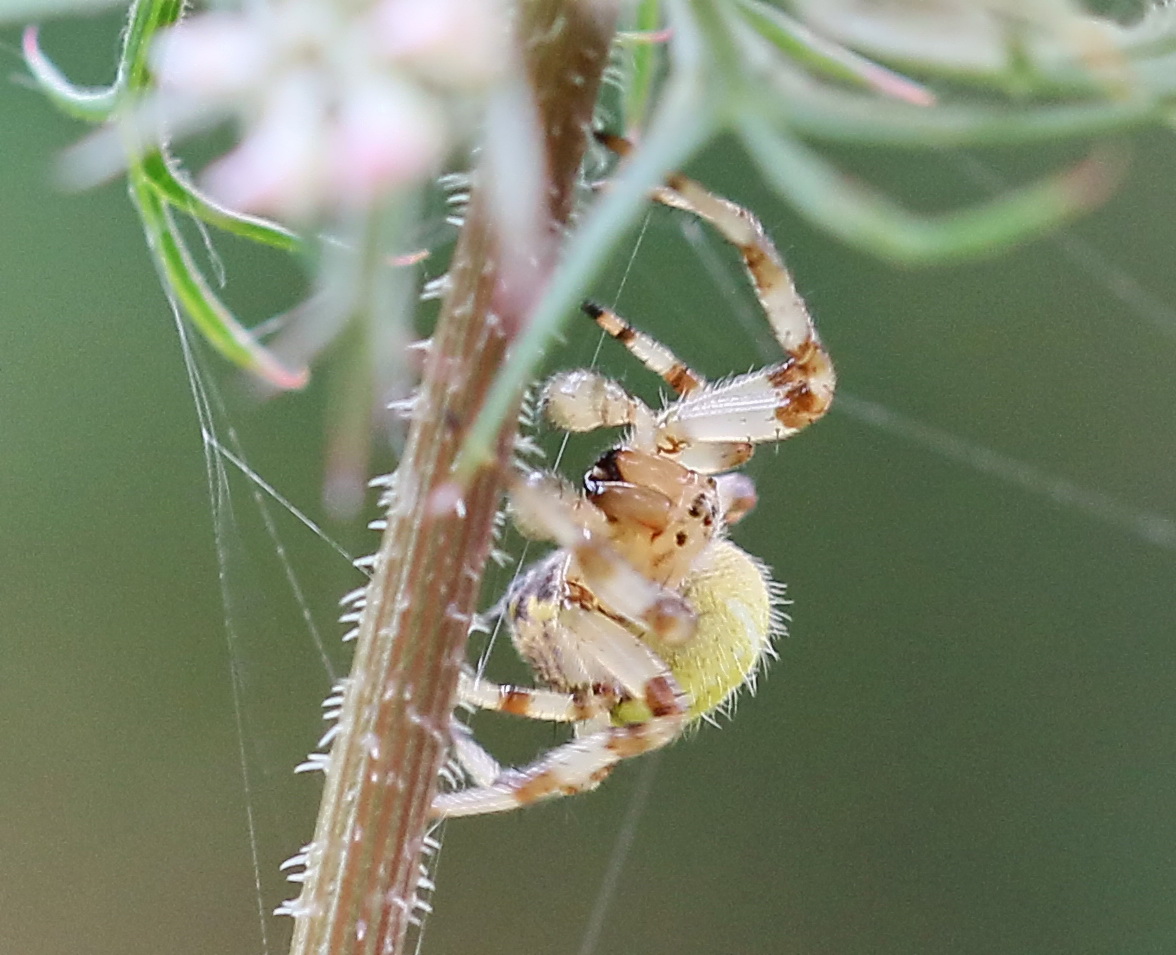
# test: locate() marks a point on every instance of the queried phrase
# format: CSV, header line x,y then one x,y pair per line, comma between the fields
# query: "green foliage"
x,y
746,68
156,190
775,82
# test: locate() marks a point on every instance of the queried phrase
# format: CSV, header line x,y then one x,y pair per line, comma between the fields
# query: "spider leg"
x,y
574,767
583,400
649,351
581,763
544,508
737,496
708,430
786,311
766,405
585,708
471,756
774,402
551,706
589,710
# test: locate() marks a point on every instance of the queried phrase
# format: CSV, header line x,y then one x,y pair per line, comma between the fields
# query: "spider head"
x,y
660,515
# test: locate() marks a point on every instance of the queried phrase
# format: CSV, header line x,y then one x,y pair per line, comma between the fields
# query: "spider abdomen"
x,y
732,595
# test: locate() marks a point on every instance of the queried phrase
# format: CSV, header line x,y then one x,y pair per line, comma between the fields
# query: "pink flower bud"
x,y
387,135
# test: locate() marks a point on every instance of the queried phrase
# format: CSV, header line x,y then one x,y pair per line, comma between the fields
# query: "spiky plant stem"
x,y
362,866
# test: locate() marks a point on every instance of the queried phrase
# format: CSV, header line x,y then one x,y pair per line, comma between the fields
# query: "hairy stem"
x,y
393,732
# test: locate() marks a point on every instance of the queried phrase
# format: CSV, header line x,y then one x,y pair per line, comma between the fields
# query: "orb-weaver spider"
x,y
647,618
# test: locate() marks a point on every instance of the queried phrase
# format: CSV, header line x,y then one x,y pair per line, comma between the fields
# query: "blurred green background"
x,y
967,745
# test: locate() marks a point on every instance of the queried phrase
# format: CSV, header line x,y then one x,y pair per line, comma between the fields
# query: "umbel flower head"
x,y
338,104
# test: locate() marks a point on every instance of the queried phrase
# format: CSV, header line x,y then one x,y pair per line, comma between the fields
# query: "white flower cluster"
x,y
339,102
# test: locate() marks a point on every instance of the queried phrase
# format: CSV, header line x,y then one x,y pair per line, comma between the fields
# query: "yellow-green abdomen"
x,y
731,593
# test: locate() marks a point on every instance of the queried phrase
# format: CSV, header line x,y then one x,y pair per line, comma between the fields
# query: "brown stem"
x,y
393,731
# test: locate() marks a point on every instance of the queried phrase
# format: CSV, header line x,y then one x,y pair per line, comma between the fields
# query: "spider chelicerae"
x,y
646,618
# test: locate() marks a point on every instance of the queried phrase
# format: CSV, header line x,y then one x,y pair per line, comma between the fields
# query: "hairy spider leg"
x,y
582,763
549,706
471,756
786,311
715,428
648,350
544,507
583,400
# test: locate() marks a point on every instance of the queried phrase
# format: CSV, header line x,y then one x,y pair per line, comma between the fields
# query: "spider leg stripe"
x,y
574,767
651,353
790,319
551,706
804,386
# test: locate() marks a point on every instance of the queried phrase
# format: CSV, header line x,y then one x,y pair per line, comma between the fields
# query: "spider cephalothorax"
x,y
646,618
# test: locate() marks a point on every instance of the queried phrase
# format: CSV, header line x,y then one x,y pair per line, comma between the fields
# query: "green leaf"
x,y
158,171
802,46
89,104
22,11
189,290
869,220
645,57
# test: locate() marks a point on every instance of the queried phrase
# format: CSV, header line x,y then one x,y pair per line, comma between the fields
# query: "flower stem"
x,y
393,730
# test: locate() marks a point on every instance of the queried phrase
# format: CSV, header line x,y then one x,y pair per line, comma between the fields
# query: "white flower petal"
x,y
278,167
451,43
214,55
387,135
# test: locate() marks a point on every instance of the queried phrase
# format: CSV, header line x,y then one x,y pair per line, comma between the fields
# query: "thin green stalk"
x,y
687,116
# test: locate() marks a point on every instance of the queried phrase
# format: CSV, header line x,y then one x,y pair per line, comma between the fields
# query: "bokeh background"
x,y
968,744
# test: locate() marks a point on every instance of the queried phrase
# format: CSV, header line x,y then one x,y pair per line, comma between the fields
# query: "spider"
x,y
646,619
